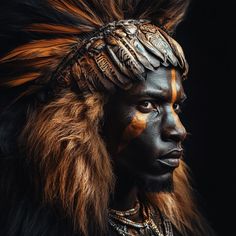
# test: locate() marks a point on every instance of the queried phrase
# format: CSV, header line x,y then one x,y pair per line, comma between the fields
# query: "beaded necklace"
x,y
153,224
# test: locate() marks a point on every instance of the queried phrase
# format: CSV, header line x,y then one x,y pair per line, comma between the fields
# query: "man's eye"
x,y
177,107
146,106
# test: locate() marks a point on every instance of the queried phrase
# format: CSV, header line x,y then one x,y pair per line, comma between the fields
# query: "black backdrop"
x,y
207,38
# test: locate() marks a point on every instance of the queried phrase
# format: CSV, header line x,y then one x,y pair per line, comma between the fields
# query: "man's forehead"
x,y
159,81
161,78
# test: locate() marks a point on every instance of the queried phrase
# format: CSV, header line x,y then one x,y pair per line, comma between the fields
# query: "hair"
x,y
60,138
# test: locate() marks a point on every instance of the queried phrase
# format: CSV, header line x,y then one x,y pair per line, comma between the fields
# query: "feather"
x,y
47,30
142,51
142,38
165,13
117,62
39,49
97,50
78,9
13,82
33,60
92,74
141,58
160,44
178,51
107,68
126,58
58,29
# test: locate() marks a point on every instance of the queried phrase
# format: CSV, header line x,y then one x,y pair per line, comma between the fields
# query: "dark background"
x,y
207,38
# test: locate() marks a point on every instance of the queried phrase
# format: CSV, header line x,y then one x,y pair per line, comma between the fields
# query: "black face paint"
x,y
143,131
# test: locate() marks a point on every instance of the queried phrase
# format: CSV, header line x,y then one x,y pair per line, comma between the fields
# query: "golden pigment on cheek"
x,y
136,127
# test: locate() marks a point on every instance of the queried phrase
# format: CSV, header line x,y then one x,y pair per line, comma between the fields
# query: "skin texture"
x,y
142,127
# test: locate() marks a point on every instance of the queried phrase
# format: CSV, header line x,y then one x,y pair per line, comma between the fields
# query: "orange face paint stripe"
x,y
134,129
174,96
173,86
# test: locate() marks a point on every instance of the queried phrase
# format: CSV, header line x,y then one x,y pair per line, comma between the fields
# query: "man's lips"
x,y
171,159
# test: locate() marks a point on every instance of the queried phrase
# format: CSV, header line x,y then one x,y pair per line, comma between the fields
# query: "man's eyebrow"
x,y
160,95
157,94
183,97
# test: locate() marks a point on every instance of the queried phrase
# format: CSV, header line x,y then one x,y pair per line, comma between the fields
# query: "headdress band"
x,y
118,54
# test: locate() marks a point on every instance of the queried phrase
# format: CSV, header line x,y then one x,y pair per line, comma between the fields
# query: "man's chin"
x,y
155,184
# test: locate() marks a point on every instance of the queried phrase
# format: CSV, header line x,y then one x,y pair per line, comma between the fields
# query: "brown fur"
x,y
64,145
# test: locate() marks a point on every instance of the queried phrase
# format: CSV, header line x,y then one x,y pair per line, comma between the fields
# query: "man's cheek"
x,y
134,129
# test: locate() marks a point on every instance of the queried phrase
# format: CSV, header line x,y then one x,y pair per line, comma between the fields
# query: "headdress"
x,y
95,45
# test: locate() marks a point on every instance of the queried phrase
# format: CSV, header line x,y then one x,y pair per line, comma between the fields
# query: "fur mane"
x,y
70,161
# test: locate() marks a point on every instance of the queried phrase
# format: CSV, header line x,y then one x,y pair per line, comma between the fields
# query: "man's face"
x,y
143,131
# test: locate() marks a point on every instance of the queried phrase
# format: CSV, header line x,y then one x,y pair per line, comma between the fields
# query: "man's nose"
x,y
172,128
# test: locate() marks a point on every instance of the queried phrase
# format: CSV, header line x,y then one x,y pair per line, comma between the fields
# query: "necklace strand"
x,y
120,223
129,212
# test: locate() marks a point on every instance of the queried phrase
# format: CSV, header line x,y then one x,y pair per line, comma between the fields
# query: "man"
x,y
91,140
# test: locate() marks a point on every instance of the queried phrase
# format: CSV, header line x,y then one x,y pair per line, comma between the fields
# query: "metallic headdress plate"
x,y
119,54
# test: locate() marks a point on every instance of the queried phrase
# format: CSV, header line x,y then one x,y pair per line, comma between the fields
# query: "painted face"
x,y
143,131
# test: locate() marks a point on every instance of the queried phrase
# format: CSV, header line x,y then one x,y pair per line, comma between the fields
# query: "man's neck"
x,y
124,197
125,192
